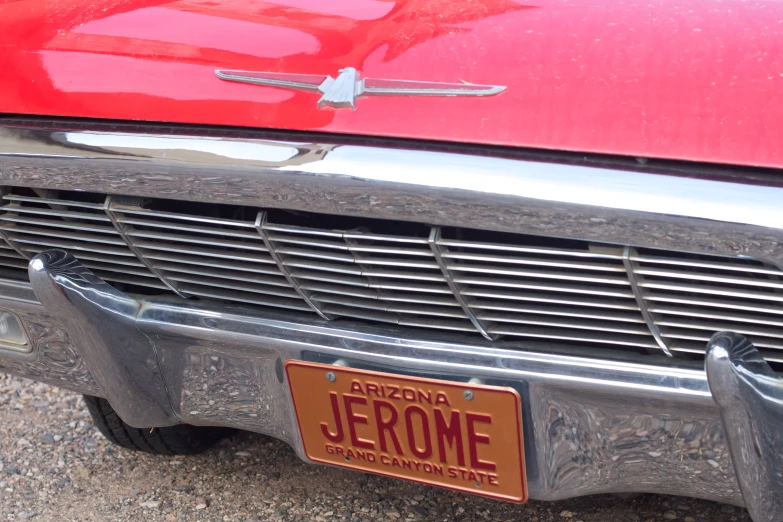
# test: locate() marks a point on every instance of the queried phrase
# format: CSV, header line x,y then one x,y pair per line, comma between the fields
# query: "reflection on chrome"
x,y
590,425
750,396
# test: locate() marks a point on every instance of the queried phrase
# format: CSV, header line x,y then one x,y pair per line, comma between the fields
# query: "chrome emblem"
x,y
342,92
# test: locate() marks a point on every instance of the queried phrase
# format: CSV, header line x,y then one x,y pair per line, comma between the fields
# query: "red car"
x,y
518,250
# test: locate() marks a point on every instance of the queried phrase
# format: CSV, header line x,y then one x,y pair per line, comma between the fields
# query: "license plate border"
x,y
520,428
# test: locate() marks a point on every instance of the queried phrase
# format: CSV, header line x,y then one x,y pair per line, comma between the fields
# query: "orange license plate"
x,y
466,437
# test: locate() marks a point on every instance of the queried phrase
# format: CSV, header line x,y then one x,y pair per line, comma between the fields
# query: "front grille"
x,y
502,286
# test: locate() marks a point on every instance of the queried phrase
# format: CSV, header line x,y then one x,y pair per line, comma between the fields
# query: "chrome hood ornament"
x,y
342,92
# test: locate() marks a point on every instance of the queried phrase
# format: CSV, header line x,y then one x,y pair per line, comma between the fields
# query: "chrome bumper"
x,y
591,425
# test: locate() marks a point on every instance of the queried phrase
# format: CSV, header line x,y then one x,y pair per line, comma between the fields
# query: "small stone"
x,y
393,514
58,438
47,438
242,453
713,463
150,504
689,519
11,470
23,442
418,498
82,473
25,515
670,515
201,506
421,510
184,488
654,454
566,514
375,497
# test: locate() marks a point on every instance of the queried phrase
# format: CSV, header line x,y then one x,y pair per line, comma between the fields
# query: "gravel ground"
x,y
56,466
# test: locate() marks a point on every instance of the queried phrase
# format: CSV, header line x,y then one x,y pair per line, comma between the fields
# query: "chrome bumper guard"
x,y
590,425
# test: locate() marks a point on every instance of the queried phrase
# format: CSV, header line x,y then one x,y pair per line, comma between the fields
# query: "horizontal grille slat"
x,y
20,232
67,225
222,254
183,262
550,287
315,254
259,273
622,302
69,214
738,267
383,305
245,297
691,275
504,260
608,253
28,242
721,315
190,228
701,289
562,334
549,321
712,303
53,202
269,288
198,240
185,218
324,267
487,309
120,277
704,325
701,336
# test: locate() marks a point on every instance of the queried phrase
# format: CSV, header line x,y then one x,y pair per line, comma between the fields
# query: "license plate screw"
x,y
478,484
468,395
331,377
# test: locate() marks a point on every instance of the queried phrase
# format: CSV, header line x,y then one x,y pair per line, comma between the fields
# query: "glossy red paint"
x,y
688,79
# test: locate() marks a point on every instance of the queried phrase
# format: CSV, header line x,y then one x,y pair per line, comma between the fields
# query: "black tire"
x,y
181,439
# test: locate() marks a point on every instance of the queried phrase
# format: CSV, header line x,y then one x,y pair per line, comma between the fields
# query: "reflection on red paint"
x,y
687,79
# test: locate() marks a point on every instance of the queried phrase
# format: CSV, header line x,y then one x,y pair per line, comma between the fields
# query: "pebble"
x,y
47,438
150,504
671,515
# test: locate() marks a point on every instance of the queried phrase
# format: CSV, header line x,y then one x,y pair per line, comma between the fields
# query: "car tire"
x,y
181,439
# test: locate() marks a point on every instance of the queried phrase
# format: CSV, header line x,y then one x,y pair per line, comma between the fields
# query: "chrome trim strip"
x,y
436,250
107,208
591,425
260,223
698,210
637,293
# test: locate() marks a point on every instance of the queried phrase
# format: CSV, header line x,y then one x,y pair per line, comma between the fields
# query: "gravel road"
x,y
56,466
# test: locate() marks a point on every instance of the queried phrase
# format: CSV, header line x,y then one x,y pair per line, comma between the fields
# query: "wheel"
x,y
181,439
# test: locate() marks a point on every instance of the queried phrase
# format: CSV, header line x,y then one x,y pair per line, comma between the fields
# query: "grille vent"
x,y
501,286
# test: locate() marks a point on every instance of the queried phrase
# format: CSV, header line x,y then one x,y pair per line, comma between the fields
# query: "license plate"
x,y
466,437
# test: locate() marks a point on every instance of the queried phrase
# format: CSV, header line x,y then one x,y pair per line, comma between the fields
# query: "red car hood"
x,y
686,79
